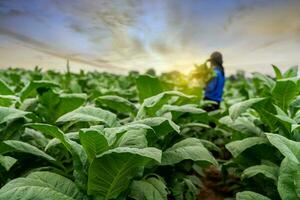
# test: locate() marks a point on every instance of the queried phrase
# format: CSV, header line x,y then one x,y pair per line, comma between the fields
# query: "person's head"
x,y
216,60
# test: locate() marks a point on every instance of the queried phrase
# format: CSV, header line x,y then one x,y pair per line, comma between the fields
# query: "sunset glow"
x,y
118,36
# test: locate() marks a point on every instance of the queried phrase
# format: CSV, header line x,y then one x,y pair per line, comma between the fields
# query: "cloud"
x,y
44,47
165,34
25,39
265,18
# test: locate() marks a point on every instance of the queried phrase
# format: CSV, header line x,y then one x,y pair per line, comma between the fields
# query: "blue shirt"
x,y
214,89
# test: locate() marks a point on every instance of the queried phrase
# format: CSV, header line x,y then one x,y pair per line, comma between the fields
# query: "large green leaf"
x,y
69,102
289,180
8,100
294,105
243,125
133,138
277,72
114,133
148,86
237,147
185,189
7,114
7,162
152,104
116,103
52,131
267,112
148,189
41,186
237,109
161,125
5,89
291,72
78,154
177,111
248,195
111,172
55,141
19,146
265,80
35,138
268,171
89,114
93,141
288,148
284,92
52,105
187,149
32,86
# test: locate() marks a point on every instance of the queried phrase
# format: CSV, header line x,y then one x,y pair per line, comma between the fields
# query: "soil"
x,y
214,186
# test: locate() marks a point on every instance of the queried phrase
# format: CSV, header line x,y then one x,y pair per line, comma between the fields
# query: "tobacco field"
x,y
100,136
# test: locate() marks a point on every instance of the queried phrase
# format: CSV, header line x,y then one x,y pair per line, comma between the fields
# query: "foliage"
x,y
105,136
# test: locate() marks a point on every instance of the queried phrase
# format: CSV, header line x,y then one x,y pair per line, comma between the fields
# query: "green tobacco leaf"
x,y
7,114
78,154
29,104
133,138
54,132
286,121
267,81
177,111
187,149
195,124
5,89
288,148
284,92
89,114
268,171
148,189
53,105
41,186
116,103
295,127
162,126
7,162
267,112
243,125
289,180
237,109
15,145
69,102
294,106
237,147
94,142
248,195
55,141
111,172
148,86
210,145
35,138
292,72
152,104
114,133
31,88
8,100
277,72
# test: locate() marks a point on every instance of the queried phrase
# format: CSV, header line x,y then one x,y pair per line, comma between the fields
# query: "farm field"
x,y
100,136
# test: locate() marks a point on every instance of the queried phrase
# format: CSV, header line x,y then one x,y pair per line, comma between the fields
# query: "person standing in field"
x,y
215,87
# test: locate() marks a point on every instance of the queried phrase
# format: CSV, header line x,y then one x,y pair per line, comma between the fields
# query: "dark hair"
x,y
216,60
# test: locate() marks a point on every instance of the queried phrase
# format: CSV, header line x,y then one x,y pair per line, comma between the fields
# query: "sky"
x,y
122,35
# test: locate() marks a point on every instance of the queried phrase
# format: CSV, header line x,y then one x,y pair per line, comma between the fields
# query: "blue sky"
x,y
118,36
